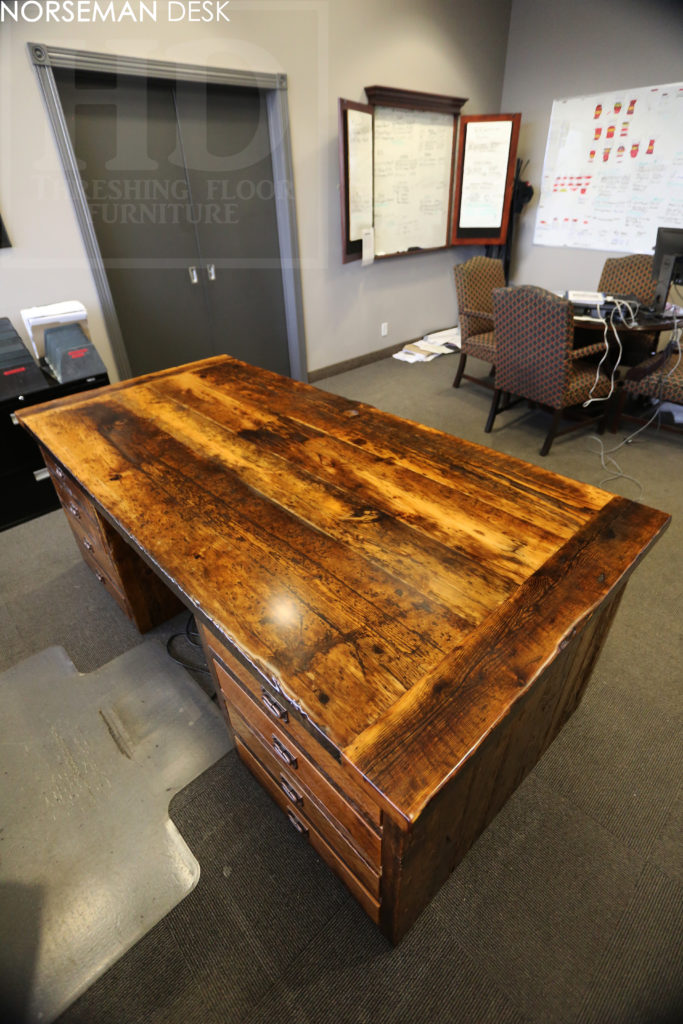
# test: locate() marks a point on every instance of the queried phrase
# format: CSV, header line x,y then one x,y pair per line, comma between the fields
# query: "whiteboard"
x,y
484,174
413,155
613,170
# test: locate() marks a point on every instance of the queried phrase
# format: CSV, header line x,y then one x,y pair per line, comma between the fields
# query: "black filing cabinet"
x,y
25,487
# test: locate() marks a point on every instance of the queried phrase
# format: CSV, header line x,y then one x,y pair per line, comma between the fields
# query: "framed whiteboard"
x,y
396,162
613,170
487,152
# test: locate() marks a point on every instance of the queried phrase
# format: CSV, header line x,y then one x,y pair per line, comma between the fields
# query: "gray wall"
x,y
328,49
562,49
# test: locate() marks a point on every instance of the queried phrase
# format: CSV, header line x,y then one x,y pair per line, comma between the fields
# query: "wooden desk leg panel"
x,y
416,863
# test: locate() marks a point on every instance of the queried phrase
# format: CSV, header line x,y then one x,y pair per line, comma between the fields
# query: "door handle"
x,y
211,271
194,276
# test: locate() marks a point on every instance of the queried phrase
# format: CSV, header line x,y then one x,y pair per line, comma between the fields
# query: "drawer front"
x,y
24,494
89,540
275,708
109,584
288,754
294,795
76,504
309,832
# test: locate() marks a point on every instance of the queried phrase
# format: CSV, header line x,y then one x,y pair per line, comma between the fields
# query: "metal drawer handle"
x,y
194,276
211,271
100,577
282,752
41,474
273,706
87,545
15,421
290,792
59,472
74,510
295,823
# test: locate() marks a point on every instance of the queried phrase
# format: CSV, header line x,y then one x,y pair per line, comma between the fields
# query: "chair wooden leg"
x,y
492,411
617,411
550,437
461,369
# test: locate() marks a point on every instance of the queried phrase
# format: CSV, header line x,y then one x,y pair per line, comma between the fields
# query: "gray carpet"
x,y
567,909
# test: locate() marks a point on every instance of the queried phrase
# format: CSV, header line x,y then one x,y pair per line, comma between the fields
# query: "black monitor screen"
x,y
667,264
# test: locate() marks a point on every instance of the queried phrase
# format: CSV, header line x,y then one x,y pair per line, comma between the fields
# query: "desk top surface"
x,y
402,587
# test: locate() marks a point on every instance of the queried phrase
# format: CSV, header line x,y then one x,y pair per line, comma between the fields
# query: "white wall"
x,y
559,49
328,49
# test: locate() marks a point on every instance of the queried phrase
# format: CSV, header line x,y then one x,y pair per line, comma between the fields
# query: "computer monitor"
x,y
667,264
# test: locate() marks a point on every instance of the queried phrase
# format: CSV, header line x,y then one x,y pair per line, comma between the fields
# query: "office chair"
x,y
536,360
659,377
631,275
474,283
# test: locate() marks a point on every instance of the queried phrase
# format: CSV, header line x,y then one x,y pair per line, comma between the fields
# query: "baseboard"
x,y
351,364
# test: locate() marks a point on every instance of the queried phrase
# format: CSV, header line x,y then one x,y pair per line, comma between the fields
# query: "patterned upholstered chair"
x,y
474,284
659,377
631,275
536,360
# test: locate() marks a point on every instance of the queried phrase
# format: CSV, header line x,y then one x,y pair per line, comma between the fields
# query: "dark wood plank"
x,y
431,731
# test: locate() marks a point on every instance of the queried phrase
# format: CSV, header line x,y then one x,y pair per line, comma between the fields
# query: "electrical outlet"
x,y
384,329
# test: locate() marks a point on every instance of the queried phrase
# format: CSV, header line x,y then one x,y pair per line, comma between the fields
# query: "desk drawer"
x,y
275,711
308,831
365,861
287,752
76,503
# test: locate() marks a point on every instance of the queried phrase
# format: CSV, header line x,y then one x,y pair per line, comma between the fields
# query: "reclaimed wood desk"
x,y
399,622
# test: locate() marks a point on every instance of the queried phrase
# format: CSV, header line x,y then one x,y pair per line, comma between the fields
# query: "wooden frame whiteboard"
x,y
487,151
413,162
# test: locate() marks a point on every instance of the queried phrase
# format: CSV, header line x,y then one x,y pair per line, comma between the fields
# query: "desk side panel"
x,y
417,863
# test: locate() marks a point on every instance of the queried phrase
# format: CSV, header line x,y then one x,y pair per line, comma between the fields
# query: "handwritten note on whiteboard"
x,y
359,125
412,176
484,174
613,170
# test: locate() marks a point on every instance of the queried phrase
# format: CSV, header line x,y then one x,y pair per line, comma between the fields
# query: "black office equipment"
x,y
667,264
70,354
25,487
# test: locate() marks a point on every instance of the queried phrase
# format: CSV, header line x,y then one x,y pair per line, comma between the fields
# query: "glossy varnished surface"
x,y
402,587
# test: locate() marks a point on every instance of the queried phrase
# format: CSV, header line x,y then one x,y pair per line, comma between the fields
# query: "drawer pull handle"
x,y
87,545
284,754
13,418
41,474
290,792
74,510
100,577
273,706
297,824
59,472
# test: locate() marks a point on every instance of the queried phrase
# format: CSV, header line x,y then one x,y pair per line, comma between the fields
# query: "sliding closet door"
x,y
124,133
179,182
226,146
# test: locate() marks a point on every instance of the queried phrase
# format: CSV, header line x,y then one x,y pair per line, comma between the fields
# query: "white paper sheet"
x,y
359,124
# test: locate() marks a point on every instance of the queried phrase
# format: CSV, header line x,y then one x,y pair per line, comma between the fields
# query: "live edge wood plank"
x,y
431,610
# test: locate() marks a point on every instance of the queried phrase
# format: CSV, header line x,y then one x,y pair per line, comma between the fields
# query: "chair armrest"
x,y
473,321
588,350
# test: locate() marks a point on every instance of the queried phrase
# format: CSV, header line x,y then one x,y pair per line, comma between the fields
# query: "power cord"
x,y
189,635
607,454
620,307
